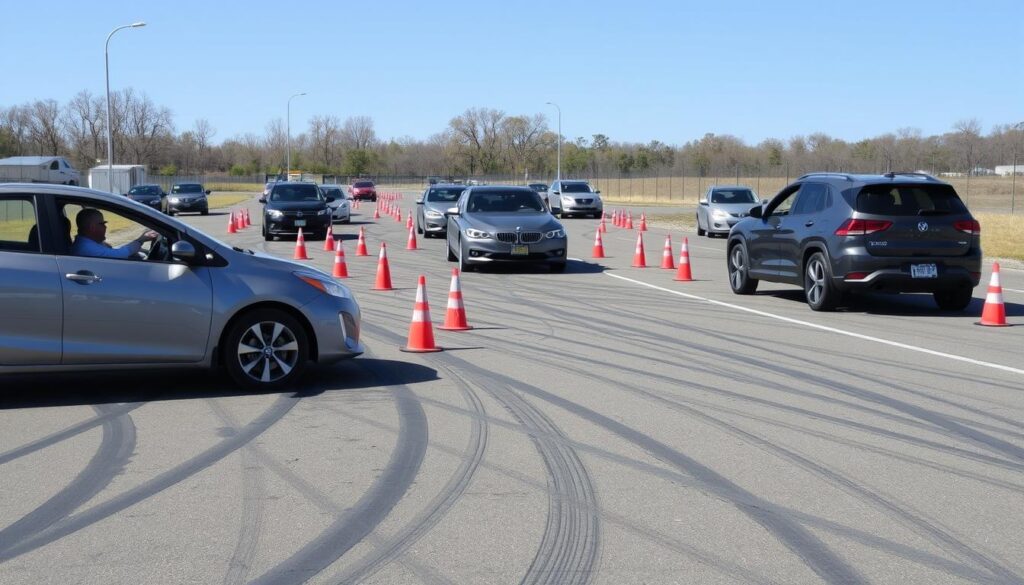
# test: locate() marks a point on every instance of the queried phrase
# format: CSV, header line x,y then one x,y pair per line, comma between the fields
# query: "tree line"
x,y
478,142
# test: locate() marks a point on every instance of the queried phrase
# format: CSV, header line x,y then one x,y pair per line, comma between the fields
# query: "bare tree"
x,y
325,137
966,142
46,126
358,133
522,137
476,133
147,127
84,122
203,132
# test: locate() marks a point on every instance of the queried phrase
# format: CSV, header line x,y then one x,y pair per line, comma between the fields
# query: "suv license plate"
x,y
924,271
520,250
300,223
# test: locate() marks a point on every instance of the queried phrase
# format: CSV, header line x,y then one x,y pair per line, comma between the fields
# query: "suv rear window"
x,y
909,200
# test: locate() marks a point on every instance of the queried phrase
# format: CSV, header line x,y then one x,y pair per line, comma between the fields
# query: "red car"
x,y
363,190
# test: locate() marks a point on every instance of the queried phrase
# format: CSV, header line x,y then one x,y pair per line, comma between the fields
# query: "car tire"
x,y
557,267
956,299
463,265
821,293
205,212
451,255
419,228
700,230
739,271
250,335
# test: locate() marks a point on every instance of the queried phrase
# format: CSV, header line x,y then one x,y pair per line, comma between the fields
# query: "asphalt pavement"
x,y
605,425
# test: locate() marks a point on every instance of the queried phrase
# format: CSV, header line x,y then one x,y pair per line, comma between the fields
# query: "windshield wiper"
x,y
244,251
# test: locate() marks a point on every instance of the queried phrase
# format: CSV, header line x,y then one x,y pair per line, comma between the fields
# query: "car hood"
x,y
188,195
296,205
537,221
736,208
142,197
439,206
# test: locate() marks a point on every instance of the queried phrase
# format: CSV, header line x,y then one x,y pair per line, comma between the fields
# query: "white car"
x,y
341,207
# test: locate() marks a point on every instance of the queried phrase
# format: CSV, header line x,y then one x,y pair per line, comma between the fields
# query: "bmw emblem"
x,y
922,226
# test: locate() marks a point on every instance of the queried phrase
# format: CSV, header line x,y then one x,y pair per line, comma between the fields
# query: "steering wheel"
x,y
158,249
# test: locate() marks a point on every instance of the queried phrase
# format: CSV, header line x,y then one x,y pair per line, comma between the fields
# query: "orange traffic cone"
x,y
603,226
616,220
639,261
421,332
411,245
994,312
329,239
376,213
408,221
666,254
248,220
643,222
629,221
598,245
300,247
383,270
232,228
455,317
398,213
340,268
361,244
684,273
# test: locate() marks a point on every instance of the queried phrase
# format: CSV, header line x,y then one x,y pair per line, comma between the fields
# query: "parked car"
x,y
542,190
363,191
430,208
834,234
292,205
188,197
721,207
341,208
504,224
433,180
186,301
151,195
568,198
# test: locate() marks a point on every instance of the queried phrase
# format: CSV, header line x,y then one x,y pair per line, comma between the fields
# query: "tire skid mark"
x,y
155,485
358,521
107,414
422,523
254,494
113,454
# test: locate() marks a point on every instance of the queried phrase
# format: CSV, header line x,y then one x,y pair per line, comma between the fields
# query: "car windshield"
x,y
296,193
575,188
363,184
187,188
145,190
733,196
909,200
538,187
333,192
444,194
504,202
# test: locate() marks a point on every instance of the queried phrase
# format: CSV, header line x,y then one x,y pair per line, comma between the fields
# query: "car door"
x,y
30,290
133,311
763,242
702,211
797,227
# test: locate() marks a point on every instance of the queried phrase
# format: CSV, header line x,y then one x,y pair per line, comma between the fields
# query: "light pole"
x,y
1013,172
288,170
110,121
558,174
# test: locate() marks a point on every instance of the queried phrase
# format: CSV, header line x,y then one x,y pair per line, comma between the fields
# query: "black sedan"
x,y
504,224
291,206
150,195
188,197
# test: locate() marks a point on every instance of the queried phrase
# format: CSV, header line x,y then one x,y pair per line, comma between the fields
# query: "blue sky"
x,y
635,71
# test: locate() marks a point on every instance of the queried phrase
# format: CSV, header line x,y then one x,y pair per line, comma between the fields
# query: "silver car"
x,y
568,198
341,207
504,225
723,206
185,300
430,208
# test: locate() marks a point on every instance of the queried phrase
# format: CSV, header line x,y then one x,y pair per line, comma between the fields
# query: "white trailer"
x,y
124,177
38,169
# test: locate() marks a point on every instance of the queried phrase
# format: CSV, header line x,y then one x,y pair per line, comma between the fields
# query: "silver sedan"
x,y
723,206
188,300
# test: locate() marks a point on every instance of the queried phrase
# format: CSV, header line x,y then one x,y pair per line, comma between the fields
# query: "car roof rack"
x,y
892,175
826,174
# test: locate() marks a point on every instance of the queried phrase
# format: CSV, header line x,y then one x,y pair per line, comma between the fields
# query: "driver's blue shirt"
x,y
84,246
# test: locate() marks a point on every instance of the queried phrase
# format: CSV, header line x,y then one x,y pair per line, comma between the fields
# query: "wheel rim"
x,y
815,281
268,351
738,264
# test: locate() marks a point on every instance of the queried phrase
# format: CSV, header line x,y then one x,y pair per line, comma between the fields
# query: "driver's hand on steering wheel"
x,y
148,236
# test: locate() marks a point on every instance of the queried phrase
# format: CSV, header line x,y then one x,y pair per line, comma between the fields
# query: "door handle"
x,y
83,277
809,223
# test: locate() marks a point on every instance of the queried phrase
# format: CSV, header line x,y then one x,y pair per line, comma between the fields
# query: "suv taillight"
x,y
862,227
968,226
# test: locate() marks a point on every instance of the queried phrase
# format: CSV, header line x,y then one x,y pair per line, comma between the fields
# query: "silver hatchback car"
x,y
183,299
722,207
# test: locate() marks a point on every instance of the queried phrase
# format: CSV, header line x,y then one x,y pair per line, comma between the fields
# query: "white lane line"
x,y
1014,290
828,329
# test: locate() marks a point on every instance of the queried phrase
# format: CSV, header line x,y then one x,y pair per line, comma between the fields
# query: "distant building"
x,y
1007,170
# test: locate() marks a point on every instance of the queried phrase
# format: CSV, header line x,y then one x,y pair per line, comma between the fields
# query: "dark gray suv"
x,y
835,234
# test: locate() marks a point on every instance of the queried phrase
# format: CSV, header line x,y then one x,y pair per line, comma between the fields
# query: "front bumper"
x,y
286,225
554,250
336,323
595,208
435,225
200,206
364,196
151,203
722,226
341,214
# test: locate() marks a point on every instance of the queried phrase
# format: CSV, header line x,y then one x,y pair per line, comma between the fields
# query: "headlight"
x,y
555,234
323,212
433,214
275,213
324,285
567,199
719,214
477,234
174,200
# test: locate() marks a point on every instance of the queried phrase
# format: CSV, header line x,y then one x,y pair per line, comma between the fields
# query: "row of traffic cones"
x,y
238,220
640,260
330,244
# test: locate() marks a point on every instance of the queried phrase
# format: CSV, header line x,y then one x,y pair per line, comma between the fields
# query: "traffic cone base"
x,y
421,333
994,312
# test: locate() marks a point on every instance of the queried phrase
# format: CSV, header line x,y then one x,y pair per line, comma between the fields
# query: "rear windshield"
x,y
296,193
363,184
187,188
733,196
145,190
909,200
539,187
444,194
504,201
575,188
333,192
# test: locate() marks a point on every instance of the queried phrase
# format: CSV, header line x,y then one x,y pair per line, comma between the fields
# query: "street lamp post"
x,y
110,121
558,174
288,169
1013,172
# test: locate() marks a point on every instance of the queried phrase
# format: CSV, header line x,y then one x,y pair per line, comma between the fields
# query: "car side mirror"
x,y
598,191
704,203
419,202
451,211
757,211
207,191
183,250
556,192
764,202
262,200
